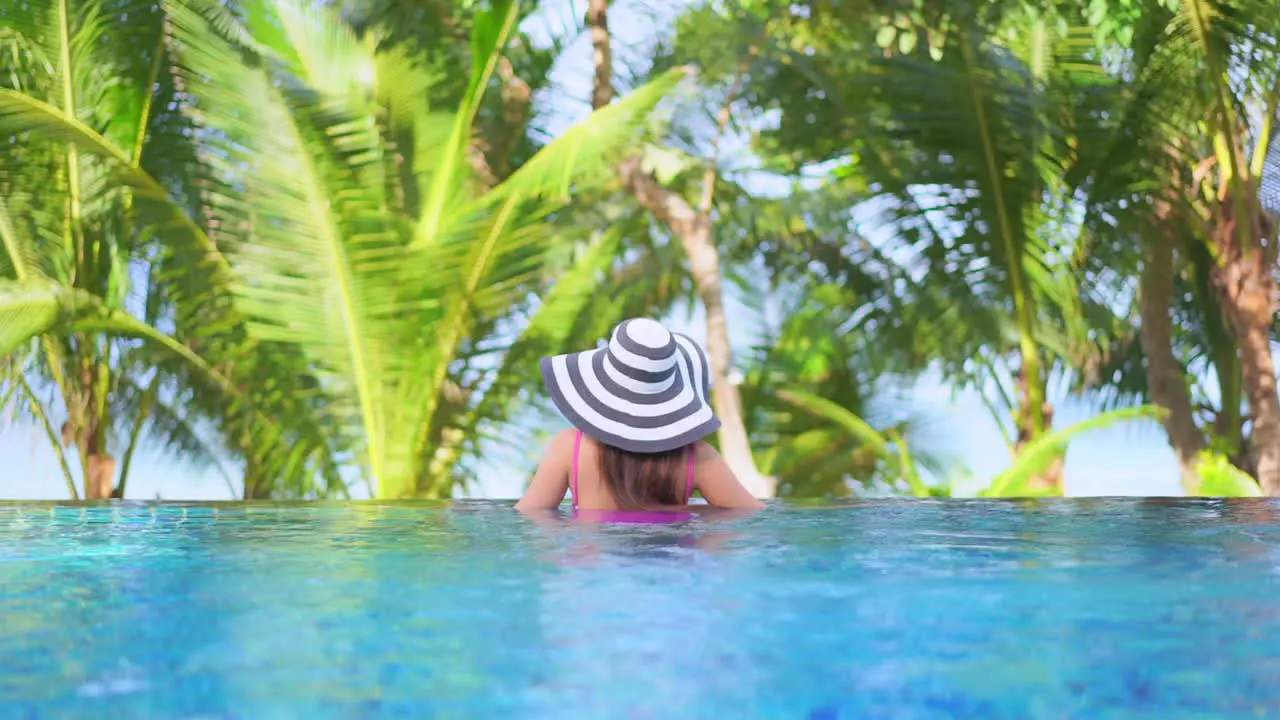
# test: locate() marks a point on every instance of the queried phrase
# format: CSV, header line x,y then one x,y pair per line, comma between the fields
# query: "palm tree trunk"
x,y
85,427
135,436
1166,379
694,229
1228,424
602,53
99,467
1244,281
704,263
256,487
1031,424
102,465
101,478
1260,382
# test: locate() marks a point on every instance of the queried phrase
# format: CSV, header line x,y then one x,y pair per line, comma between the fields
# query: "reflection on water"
x,y
606,536
937,609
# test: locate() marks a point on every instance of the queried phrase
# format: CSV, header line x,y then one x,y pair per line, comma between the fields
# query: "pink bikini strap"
x,y
573,483
693,454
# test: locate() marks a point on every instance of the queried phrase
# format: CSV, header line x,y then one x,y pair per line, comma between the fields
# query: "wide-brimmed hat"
x,y
647,391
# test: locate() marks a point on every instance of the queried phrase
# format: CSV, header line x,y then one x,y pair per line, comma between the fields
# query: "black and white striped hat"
x,y
647,391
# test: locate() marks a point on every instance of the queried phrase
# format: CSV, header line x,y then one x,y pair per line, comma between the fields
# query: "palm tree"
x,y
83,109
692,225
308,175
1197,123
816,401
114,249
392,266
957,121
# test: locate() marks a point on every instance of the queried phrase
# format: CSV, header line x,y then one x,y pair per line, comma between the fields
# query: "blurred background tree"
x,y
320,246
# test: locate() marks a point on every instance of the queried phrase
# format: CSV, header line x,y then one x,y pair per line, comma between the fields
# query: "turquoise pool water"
x,y
951,609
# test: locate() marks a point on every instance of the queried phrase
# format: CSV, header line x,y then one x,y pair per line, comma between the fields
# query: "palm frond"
x,y
1219,478
547,332
587,153
169,425
474,278
15,260
892,450
296,164
1037,455
489,35
39,412
20,113
27,310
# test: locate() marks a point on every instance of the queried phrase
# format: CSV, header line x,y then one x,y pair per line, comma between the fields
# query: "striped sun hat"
x,y
646,391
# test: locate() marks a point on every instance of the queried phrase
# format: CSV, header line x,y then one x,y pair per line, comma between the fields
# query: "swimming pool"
x,y
949,609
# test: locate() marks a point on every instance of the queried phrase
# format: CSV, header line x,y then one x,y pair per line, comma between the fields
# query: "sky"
x,y
1131,459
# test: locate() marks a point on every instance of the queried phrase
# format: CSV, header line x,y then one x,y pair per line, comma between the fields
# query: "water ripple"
x,y
1091,608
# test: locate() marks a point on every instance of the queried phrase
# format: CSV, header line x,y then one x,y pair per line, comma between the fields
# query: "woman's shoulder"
x,y
563,440
561,445
703,452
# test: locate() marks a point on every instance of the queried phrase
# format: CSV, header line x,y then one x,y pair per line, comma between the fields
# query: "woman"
x,y
639,408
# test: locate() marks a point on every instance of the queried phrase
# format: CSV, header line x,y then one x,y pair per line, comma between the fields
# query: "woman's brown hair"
x,y
640,481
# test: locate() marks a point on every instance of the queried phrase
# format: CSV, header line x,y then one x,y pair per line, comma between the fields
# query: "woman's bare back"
x,y
712,477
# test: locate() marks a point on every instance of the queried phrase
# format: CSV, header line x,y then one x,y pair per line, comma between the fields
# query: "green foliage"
x,y
888,448
361,275
27,310
300,238
1019,480
960,135
816,405
94,220
1193,70
1219,478
383,296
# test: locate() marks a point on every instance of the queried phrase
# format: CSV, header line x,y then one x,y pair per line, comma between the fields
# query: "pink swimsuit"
x,y
629,515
